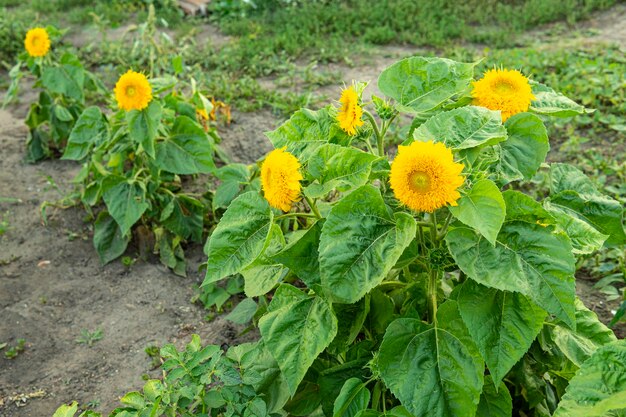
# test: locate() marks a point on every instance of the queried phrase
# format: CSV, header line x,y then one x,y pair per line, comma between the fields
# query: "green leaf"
x,y
603,213
574,194
463,128
338,167
353,398
306,131
530,258
447,367
184,217
134,400
91,129
188,150
66,410
502,324
296,330
239,237
260,370
585,238
265,272
67,78
126,201
482,208
564,177
244,312
233,177
360,243
144,124
526,148
350,319
599,386
590,334
549,102
494,403
302,257
108,239
421,84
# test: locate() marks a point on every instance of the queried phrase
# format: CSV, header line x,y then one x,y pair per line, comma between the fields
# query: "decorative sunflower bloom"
x,y
133,91
37,42
280,178
505,90
350,114
425,177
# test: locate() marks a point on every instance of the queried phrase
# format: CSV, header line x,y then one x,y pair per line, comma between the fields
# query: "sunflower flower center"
x,y
130,91
503,87
420,181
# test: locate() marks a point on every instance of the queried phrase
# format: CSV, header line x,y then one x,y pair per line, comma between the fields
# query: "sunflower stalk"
x,y
377,132
313,207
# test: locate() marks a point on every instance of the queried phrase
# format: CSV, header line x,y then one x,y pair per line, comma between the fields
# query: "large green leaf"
x,y
599,386
296,329
90,130
526,148
502,324
549,102
306,131
239,238
590,334
108,239
126,201
188,149
66,410
338,167
353,398
421,84
482,208
143,126
463,128
302,257
261,371
529,257
494,403
264,273
572,193
434,370
585,238
184,216
360,243
67,78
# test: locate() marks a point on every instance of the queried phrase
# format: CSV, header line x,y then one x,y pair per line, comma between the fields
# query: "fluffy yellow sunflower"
x,y
425,177
37,42
505,90
133,91
280,178
349,116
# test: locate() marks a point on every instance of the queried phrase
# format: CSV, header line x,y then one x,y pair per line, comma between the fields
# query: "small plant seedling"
x,y
12,352
89,338
127,261
153,352
93,404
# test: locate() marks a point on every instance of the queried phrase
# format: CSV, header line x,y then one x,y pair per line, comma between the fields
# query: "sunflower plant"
x,y
136,160
420,281
63,83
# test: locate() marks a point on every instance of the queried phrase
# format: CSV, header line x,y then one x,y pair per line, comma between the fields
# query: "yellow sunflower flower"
x,y
425,177
280,178
505,90
37,42
133,91
349,116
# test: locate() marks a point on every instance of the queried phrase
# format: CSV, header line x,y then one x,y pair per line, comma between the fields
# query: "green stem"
x,y
433,229
379,137
432,295
313,207
391,284
444,229
285,216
